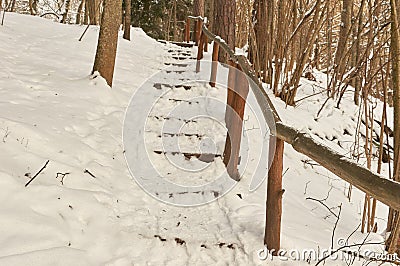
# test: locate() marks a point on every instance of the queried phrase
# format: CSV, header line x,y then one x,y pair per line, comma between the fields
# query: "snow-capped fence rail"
x,y
382,189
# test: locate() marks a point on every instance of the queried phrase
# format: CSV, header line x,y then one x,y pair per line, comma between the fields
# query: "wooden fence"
x,y
385,190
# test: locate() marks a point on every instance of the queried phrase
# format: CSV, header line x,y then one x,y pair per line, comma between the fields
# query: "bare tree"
x,y
357,51
261,35
243,22
289,89
342,43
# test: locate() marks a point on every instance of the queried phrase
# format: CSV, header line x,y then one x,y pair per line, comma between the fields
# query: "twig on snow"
x,y
336,223
310,163
6,135
305,188
89,173
62,177
84,32
320,201
33,178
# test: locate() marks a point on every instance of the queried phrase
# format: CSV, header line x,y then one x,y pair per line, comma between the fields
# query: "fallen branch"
x,y
33,178
84,32
89,173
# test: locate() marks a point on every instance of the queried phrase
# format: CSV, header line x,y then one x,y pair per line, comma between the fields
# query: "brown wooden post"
x,y
230,94
236,102
198,32
187,30
272,237
205,42
228,109
194,36
200,48
214,65
198,66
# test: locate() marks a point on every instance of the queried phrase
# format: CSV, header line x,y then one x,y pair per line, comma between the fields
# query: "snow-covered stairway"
x,y
184,136
184,130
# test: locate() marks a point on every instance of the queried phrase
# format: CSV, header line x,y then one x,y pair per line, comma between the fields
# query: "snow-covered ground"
x,y
52,109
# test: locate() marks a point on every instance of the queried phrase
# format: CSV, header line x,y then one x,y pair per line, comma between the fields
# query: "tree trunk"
x,y
32,7
127,20
175,22
357,48
261,35
86,13
225,24
279,45
92,6
108,39
395,51
198,10
13,5
66,10
211,15
345,25
79,12
270,40
395,47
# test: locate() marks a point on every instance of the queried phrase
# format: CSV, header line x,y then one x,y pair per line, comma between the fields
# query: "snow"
x,y
52,109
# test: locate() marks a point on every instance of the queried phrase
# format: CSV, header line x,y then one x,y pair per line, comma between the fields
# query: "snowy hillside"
x,y
84,208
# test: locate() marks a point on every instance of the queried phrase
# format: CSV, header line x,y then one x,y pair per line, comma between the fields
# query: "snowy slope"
x,y
51,109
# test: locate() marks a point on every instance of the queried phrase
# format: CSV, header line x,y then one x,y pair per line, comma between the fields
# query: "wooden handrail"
x,y
246,67
385,190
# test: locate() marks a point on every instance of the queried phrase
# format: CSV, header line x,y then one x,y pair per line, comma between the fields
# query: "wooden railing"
x,y
385,190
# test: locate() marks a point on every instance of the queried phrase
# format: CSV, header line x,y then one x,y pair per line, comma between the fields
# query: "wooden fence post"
x,y
194,36
228,110
187,30
205,42
198,32
238,89
272,237
214,65
200,48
